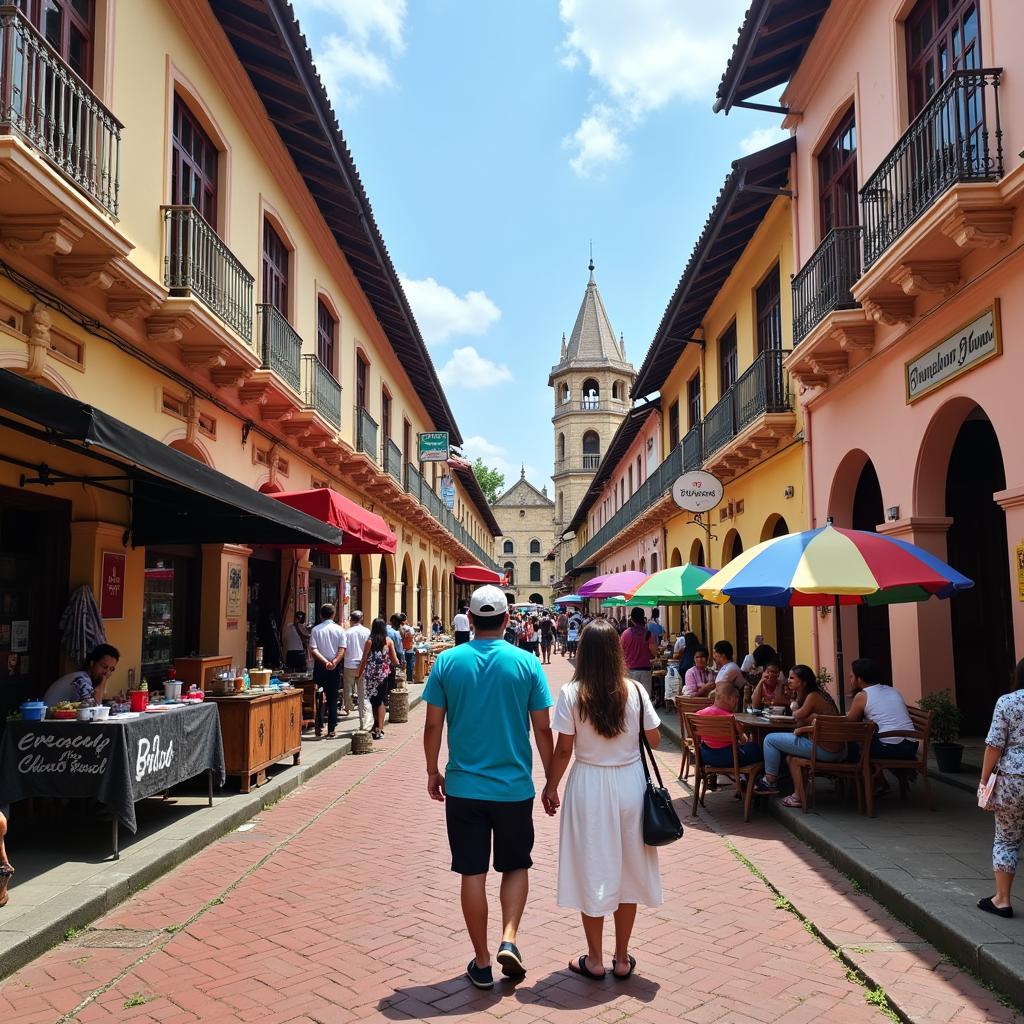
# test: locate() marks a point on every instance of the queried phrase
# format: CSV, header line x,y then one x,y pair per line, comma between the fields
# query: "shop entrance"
x,y
382,593
983,648
170,608
873,640
355,587
738,613
324,587
264,612
406,598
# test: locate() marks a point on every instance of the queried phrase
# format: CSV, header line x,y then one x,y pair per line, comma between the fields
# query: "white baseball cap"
x,y
488,600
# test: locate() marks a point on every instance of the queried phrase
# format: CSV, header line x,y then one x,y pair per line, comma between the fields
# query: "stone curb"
x,y
89,902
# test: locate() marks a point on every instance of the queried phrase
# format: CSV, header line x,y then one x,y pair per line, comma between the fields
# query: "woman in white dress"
x,y
603,865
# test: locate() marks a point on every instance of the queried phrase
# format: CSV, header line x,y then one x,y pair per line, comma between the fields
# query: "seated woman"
x,y
810,700
699,680
88,683
718,753
770,692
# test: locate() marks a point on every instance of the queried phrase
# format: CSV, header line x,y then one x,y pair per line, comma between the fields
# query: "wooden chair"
x,y
921,732
718,727
685,705
838,729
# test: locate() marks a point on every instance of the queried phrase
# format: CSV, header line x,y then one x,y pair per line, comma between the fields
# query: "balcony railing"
x,y
320,391
196,260
693,449
762,388
947,143
824,282
45,103
414,482
720,424
591,461
366,434
281,346
392,459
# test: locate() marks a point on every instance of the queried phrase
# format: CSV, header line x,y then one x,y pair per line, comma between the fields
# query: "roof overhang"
x,y
772,41
476,494
754,183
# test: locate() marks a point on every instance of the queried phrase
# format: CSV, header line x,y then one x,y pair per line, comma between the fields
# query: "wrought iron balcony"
x,y
414,481
366,434
762,388
720,424
197,261
693,448
281,346
949,142
824,282
48,106
320,391
392,459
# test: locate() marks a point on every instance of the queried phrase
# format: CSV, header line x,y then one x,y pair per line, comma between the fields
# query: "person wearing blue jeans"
x,y
810,700
718,753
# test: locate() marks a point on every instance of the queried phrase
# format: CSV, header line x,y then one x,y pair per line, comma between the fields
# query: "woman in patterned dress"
x,y
1004,751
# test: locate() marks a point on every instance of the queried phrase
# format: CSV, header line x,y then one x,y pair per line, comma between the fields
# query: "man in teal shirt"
x,y
491,694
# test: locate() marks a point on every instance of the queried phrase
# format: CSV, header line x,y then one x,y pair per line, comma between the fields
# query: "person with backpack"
x,y
379,660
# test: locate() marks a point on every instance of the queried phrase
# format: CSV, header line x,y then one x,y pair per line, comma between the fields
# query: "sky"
x,y
497,141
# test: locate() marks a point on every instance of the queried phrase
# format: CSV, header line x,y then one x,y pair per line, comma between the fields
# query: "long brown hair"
x,y
601,673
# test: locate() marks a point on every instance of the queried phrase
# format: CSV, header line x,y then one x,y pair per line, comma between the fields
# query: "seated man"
x,y
880,702
718,753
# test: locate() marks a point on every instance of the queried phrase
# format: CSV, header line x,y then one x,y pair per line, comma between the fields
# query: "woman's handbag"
x,y
661,823
987,793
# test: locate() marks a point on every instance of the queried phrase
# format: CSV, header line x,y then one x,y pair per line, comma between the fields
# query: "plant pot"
x,y
948,756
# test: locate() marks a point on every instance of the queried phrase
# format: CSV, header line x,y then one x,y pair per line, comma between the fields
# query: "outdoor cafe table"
x,y
759,726
116,762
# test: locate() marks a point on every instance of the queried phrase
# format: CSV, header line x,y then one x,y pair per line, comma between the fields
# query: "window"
x,y
639,472
693,401
591,393
564,394
275,270
837,178
942,36
510,573
362,381
508,548
591,450
68,26
631,480
535,572
673,425
728,369
326,333
385,419
769,312
407,440
534,546
561,447
193,164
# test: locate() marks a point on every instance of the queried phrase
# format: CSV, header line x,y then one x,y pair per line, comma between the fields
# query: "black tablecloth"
x,y
114,762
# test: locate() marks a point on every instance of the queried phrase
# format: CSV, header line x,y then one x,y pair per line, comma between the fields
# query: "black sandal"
x,y
632,967
580,967
986,904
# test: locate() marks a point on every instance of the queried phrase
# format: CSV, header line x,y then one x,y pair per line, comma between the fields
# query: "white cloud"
x,y
761,138
643,55
358,54
469,370
496,457
442,314
597,141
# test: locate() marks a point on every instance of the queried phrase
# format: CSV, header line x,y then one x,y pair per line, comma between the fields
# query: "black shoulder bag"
x,y
661,823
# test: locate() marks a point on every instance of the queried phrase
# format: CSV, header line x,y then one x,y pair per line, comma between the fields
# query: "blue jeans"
x,y
410,663
782,744
904,750
721,757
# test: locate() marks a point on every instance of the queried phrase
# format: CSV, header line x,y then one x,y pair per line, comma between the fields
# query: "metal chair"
x,y
901,767
685,705
838,729
718,727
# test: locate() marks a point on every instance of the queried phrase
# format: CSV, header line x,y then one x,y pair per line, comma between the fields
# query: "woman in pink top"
x,y
699,680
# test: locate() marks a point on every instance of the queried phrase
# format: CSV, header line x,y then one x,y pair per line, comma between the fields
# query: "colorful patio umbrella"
x,y
614,584
676,585
833,566
570,599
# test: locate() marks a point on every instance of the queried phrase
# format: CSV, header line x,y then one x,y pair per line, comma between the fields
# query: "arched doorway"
x,y
873,637
536,599
406,598
736,615
355,585
382,590
983,644
421,598
435,596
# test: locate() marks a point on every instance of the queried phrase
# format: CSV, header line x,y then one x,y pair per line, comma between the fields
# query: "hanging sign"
x,y
448,492
973,344
698,492
433,446
112,585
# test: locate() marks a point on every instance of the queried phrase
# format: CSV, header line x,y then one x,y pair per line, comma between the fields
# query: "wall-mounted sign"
x,y
970,346
112,585
433,446
698,492
233,599
448,492
1020,571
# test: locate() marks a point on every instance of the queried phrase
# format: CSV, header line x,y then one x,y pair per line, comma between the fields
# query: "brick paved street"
x,y
337,906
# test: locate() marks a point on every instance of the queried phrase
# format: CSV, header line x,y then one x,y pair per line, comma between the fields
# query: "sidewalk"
x,y
928,869
65,876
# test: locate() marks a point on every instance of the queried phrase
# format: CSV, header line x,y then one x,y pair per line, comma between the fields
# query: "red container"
x,y
138,700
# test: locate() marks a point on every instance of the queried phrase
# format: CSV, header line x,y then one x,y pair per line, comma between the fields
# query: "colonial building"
x,y
525,548
186,248
591,384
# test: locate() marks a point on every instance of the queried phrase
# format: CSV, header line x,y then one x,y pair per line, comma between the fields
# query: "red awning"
x,y
365,532
477,574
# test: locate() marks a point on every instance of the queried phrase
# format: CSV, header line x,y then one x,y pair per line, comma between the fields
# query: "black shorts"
x,y
470,824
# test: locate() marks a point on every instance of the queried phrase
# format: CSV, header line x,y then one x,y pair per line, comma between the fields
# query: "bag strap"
x,y
645,746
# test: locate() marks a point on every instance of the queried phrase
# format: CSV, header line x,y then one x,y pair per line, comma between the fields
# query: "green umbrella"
x,y
677,585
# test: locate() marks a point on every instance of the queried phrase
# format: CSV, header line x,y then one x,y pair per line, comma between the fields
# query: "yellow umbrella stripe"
x,y
831,557
713,589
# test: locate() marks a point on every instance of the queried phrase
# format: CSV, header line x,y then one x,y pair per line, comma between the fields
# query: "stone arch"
x,y
386,586
435,595
194,449
407,584
844,487
564,394
422,596
697,555
536,599
590,393
591,443
534,546
508,547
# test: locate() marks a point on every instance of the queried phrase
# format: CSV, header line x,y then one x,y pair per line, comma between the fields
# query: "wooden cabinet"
x,y
259,730
201,670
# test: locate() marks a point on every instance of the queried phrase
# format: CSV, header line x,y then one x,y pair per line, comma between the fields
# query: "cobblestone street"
x,y
337,905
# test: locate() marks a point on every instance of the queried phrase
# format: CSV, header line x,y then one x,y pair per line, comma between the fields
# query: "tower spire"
x,y
590,265
522,471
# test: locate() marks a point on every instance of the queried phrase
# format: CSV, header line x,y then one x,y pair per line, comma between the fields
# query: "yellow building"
x,y
186,245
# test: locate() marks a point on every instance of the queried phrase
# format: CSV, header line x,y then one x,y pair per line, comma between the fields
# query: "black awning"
x,y
174,499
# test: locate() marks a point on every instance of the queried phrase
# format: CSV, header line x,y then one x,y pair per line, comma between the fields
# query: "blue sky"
x,y
496,140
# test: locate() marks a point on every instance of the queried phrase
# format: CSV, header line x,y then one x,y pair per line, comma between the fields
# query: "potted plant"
x,y
946,717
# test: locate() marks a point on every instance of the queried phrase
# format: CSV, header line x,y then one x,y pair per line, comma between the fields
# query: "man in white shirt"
x,y
461,625
327,645
728,670
355,642
296,643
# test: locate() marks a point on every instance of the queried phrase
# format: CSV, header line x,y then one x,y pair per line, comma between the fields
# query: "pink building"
x,y
908,305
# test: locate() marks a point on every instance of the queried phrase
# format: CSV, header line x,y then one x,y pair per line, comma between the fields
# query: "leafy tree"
x,y
490,480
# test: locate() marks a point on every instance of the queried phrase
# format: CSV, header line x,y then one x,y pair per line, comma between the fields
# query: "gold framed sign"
x,y
972,344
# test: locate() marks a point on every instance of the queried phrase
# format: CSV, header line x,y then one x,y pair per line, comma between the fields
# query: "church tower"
x,y
591,384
